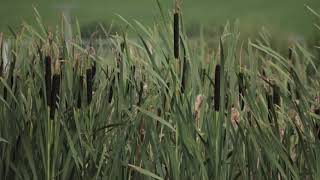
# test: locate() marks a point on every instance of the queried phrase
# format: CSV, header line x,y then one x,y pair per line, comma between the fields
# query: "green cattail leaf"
x,y
155,117
3,140
145,172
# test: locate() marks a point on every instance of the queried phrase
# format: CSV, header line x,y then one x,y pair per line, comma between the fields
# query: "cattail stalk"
x,y
55,89
217,88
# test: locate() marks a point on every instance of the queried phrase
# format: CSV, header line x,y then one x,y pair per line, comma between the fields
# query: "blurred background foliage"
x,y
281,17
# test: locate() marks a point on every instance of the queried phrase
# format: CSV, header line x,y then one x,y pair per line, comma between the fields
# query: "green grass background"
x,y
286,16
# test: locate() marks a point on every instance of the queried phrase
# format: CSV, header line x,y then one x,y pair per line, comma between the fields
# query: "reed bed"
x,y
77,110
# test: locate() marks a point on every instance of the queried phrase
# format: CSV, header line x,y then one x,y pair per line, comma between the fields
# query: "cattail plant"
x,y
217,87
290,54
241,89
176,30
48,74
55,89
90,74
276,95
1,54
89,85
140,93
290,59
270,106
217,79
184,69
111,89
79,101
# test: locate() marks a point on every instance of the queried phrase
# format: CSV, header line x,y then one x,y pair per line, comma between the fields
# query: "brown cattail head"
x,y
111,89
55,94
176,30
140,93
217,88
79,102
290,58
1,54
48,74
290,54
89,85
241,89
276,95
184,69
270,106
55,89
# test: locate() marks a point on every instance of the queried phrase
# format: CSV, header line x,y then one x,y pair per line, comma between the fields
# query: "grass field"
x,y
287,16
